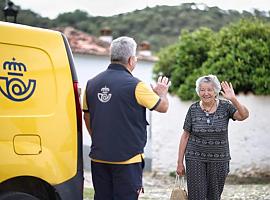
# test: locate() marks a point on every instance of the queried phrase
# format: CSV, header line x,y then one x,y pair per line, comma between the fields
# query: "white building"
x,y
91,56
249,140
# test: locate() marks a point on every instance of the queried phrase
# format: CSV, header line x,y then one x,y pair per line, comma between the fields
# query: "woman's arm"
x,y
242,112
181,152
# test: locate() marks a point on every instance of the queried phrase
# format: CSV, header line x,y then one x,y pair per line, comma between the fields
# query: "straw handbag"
x,y
179,191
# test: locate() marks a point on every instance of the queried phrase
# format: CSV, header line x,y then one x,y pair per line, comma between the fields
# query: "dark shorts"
x,y
116,182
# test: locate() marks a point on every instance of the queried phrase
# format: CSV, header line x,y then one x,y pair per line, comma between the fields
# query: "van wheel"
x,y
17,196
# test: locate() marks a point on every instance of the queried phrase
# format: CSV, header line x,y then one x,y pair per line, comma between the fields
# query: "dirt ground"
x,y
159,187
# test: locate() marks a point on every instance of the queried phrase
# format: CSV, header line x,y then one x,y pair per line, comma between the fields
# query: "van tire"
x,y
17,196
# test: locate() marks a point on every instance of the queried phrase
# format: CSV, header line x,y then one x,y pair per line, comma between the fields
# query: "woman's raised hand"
x,y
228,92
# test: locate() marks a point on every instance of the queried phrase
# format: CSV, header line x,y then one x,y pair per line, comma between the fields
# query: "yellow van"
x,y
40,116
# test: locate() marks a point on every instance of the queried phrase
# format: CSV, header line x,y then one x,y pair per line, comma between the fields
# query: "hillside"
x,y
160,25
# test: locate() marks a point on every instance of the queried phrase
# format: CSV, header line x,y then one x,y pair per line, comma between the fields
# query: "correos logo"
x,y
14,88
104,96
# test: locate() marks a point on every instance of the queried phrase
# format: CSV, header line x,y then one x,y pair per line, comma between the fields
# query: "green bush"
x,y
239,53
165,66
179,60
242,56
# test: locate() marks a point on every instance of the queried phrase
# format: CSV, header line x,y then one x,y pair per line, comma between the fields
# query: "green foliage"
x,y
27,17
186,91
71,18
242,56
167,58
2,6
172,174
160,25
88,193
179,60
30,18
239,53
192,52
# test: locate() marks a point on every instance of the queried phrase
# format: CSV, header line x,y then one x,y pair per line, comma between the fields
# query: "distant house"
x,y
91,56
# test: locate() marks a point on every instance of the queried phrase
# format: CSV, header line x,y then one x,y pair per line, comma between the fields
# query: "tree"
x,y
28,17
160,25
189,53
71,18
239,53
242,55
2,6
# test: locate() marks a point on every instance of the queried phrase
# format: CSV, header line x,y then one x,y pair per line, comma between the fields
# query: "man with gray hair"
x,y
114,108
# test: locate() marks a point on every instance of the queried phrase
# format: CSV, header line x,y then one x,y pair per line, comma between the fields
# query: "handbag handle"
x,y
179,181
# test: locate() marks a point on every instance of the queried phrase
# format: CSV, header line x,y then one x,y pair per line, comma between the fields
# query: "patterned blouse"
x,y
208,140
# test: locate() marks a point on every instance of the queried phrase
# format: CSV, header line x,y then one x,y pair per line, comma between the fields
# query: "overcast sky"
x,y
49,8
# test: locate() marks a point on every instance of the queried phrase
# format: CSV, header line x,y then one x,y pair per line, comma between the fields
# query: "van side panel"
x,y
38,134
73,188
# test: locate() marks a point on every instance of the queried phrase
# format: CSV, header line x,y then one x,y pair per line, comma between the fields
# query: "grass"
x,y
88,193
234,179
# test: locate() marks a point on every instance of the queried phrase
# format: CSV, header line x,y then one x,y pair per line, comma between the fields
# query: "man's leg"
x,y
102,181
127,181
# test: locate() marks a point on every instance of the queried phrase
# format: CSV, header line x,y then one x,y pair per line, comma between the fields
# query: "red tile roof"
x,y
83,43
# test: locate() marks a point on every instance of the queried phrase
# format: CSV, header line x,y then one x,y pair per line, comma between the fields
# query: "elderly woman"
x,y
204,141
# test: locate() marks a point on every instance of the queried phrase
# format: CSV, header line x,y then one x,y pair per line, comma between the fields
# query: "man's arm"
x,y
86,114
154,98
161,89
163,105
86,117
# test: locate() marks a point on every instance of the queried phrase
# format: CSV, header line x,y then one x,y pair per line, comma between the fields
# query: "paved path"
x,y
158,187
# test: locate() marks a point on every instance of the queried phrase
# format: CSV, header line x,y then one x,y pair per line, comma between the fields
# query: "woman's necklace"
x,y
207,111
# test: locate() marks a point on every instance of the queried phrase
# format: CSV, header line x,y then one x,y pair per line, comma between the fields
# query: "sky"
x,y
49,8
